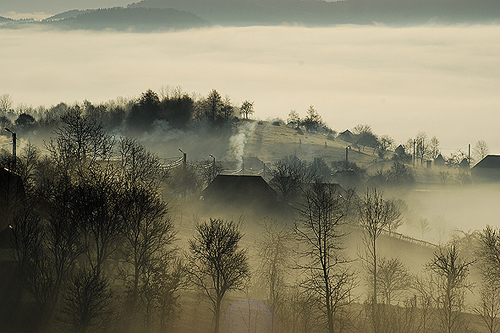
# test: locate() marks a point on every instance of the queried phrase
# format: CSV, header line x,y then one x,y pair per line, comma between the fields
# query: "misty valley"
x,y
178,212
341,178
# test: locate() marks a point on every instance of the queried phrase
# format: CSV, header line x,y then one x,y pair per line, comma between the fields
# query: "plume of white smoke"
x,y
238,141
161,131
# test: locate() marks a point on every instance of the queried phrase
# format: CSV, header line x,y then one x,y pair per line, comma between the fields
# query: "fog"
x,y
442,80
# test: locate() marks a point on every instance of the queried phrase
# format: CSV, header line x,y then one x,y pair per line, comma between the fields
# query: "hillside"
x,y
271,142
135,19
4,20
118,18
69,14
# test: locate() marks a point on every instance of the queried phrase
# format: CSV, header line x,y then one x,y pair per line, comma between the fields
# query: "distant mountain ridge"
x,y
5,19
138,19
69,14
154,15
317,12
125,19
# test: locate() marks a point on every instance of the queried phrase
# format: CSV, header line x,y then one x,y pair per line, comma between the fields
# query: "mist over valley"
x,y
264,166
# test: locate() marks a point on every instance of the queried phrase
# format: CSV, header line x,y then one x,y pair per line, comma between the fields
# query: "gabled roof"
x,y
235,190
489,162
346,136
228,195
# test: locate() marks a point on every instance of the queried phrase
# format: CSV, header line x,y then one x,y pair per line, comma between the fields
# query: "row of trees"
x,y
312,122
172,106
290,174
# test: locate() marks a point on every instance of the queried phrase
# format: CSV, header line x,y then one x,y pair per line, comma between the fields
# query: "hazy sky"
x,y
441,80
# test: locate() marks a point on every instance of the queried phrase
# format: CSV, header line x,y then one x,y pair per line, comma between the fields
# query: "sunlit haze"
x,y
441,80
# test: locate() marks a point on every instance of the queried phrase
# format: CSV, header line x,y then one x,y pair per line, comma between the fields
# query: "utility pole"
x,y
414,153
14,138
184,159
347,156
469,155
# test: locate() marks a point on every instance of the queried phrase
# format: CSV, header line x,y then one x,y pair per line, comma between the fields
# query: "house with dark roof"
x,y
487,170
439,161
346,136
242,195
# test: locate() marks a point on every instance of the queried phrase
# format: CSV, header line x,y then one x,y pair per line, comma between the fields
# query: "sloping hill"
x,y
272,142
5,20
130,19
69,14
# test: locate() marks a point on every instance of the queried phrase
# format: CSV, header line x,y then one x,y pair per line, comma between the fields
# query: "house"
x,y
439,161
346,136
237,195
464,164
487,170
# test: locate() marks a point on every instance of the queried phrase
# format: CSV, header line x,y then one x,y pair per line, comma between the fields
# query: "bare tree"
x,y
80,142
424,226
246,109
47,244
425,291
434,148
385,143
287,177
321,232
452,272
167,280
375,215
5,103
480,150
26,165
140,166
216,263
394,279
148,232
97,203
488,306
488,252
275,250
87,303
421,146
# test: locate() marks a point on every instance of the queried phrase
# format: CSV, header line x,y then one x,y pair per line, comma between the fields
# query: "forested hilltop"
x,y
173,212
119,19
159,15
